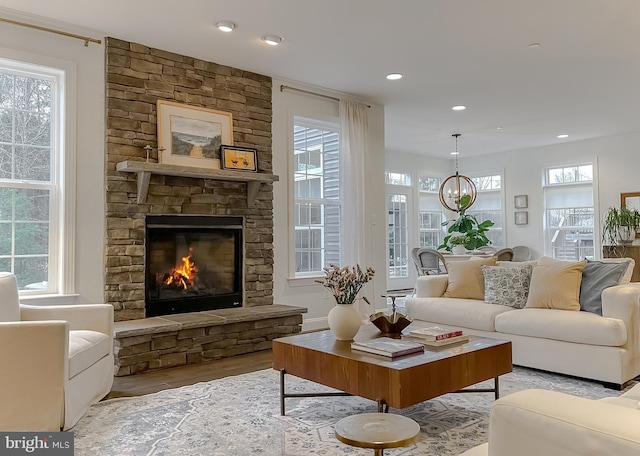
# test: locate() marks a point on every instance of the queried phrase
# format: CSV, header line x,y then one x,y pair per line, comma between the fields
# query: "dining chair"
x,y
505,254
428,261
521,253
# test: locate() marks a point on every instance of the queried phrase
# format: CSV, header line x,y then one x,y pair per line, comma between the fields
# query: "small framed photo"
x,y
239,158
521,201
521,217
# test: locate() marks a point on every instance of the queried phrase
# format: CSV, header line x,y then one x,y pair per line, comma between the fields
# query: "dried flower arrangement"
x,y
345,283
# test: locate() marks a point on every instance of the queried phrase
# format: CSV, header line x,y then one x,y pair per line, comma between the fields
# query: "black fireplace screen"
x,y
193,263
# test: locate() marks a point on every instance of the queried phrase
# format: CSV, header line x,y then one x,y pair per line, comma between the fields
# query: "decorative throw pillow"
x,y
466,279
597,276
555,284
630,262
507,286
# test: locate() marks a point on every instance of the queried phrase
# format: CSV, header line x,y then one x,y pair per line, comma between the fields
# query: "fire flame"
x,y
184,274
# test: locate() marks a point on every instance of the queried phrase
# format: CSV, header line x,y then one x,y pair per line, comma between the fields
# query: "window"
x,y
488,206
317,196
398,233
569,212
398,178
430,216
30,187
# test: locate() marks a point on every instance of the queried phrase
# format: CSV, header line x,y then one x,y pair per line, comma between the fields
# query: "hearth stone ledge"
x,y
150,344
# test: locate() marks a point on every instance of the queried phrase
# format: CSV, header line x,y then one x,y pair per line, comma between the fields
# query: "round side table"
x,y
377,431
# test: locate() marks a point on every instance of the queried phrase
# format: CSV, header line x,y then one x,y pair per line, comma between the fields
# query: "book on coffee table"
x,y
440,343
433,333
387,346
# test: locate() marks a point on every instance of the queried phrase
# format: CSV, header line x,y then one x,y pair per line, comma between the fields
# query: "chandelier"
x,y
457,193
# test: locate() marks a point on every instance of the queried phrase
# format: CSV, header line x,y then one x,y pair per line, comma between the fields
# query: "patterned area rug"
x,y
240,416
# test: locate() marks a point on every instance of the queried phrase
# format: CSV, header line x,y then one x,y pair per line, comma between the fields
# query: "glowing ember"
x,y
184,274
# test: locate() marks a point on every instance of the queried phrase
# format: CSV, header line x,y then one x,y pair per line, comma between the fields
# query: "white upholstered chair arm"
x,y
623,302
431,286
94,317
34,362
540,422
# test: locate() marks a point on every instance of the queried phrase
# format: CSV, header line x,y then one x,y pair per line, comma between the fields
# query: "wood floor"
x,y
152,382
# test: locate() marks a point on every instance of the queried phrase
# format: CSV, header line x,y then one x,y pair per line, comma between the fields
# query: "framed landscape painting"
x,y
191,135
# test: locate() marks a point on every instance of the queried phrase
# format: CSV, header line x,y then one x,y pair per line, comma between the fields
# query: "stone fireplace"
x,y
137,77
152,331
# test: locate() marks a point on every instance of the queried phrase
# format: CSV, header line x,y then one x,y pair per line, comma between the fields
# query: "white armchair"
x,y
539,422
56,361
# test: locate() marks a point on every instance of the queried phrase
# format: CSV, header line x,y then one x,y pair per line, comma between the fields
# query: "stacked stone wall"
x,y
136,78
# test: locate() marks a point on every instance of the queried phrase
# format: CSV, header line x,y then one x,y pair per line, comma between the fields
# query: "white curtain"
x,y
353,132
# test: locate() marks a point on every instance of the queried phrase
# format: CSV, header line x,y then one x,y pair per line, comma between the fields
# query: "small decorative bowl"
x,y
390,324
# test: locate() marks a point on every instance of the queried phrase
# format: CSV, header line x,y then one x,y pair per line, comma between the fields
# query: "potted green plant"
x,y
467,225
456,242
620,225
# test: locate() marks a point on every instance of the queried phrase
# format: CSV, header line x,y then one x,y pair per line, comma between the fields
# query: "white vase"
x,y
344,321
458,249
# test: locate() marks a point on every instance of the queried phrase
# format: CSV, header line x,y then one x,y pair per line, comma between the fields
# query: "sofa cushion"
x,y
459,313
86,348
565,325
555,284
516,264
507,286
466,279
596,277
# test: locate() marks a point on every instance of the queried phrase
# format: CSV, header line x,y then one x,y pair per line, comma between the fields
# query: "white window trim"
x,y
320,121
63,272
597,244
503,192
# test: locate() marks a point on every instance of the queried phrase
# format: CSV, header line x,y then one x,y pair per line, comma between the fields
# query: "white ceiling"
x,y
583,80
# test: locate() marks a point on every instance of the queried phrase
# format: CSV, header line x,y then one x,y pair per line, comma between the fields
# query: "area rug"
x,y
240,416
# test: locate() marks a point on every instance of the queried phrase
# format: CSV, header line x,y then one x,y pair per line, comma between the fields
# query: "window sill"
x,y
49,300
303,281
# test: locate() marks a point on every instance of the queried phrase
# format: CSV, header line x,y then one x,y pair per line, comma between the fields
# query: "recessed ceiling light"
x,y
500,128
272,40
562,136
394,76
534,45
226,26
459,108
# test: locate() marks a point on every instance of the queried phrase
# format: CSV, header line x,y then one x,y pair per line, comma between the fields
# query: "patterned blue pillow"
x,y
507,286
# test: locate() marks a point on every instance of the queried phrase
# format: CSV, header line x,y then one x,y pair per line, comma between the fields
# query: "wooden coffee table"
x,y
398,382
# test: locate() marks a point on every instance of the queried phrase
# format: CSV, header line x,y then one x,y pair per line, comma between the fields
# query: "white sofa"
x,y
583,344
56,361
538,422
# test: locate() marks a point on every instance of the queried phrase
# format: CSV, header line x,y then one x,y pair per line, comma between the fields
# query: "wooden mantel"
x,y
144,170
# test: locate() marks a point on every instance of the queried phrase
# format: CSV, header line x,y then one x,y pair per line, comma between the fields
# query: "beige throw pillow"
x,y
555,284
466,279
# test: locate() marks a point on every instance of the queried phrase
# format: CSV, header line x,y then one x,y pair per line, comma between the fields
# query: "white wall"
x,y
616,166
89,64
305,292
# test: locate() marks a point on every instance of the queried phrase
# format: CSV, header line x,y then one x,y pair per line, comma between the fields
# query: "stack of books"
x,y
389,347
437,336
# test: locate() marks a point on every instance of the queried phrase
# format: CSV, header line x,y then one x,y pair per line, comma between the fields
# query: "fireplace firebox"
x,y
192,263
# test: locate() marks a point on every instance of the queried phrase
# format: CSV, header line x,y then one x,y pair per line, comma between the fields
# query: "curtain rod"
x,y
283,87
86,39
